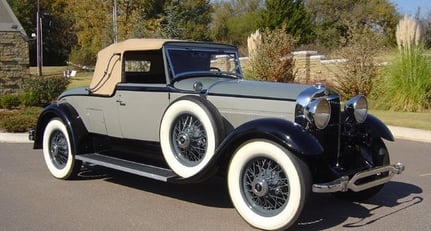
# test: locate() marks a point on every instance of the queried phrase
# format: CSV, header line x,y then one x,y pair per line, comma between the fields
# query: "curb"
x,y
398,132
14,138
412,134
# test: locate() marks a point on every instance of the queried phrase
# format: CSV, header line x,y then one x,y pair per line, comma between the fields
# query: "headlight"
x,y
357,107
318,112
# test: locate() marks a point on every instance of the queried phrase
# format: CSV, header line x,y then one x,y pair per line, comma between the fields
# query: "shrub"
x,y
9,101
407,81
39,91
271,60
19,120
359,71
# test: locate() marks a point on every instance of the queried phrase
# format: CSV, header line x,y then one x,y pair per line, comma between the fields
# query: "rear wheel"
x,y
57,151
268,185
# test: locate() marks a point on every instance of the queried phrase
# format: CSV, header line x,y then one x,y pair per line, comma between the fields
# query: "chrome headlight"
x,y
318,112
357,107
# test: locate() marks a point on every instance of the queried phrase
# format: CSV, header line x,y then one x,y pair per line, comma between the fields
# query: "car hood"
x,y
257,89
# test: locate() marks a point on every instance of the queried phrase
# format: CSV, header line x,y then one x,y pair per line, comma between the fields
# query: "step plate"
x,y
140,169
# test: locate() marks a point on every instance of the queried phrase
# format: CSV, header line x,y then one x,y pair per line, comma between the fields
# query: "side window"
x,y
143,67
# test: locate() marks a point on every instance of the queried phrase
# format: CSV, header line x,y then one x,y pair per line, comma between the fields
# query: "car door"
x,y
143,96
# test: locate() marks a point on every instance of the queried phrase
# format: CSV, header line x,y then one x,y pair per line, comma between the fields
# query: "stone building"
x,y
14,51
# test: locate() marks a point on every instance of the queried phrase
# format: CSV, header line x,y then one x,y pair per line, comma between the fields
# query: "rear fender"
x,y
77,131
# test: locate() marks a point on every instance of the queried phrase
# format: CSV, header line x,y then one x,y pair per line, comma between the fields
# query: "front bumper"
x,y
343,184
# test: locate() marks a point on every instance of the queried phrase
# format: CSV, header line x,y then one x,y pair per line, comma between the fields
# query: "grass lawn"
x,y
81,79
420,120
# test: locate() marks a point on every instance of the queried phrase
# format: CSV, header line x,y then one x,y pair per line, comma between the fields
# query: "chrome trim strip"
x,y
343,184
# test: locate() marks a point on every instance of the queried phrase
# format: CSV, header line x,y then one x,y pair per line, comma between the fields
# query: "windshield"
x,y
185,60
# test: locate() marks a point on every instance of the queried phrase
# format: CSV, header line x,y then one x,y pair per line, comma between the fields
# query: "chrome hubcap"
x,y
183,140
260,187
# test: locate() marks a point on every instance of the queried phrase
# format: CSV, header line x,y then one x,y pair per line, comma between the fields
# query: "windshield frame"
x,y
219,49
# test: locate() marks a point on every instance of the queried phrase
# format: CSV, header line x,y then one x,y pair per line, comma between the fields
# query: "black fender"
x,y
378,128
76,128
285,133
288,134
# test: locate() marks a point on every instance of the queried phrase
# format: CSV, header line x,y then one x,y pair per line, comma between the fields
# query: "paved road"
x,y
103,199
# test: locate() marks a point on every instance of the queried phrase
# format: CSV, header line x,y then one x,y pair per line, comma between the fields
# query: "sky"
x,y
410,7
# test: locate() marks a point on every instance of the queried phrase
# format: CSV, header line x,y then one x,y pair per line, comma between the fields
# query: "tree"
x,y
234,20
426,25
187,19
92,24
292,15
58,39
332,18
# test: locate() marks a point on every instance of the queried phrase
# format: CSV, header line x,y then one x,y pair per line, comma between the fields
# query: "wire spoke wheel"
x,y
190,131
265,186
268,184
189,139
58,149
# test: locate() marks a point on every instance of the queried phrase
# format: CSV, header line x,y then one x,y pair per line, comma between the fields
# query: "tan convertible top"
x,y
107,72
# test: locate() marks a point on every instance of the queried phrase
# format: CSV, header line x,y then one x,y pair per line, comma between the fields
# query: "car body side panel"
x,y
241,110
99,114
141,112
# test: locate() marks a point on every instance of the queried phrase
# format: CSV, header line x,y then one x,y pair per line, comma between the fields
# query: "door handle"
x,y
121,102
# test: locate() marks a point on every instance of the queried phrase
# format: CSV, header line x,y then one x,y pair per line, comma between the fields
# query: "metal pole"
x,y
38,42
114,21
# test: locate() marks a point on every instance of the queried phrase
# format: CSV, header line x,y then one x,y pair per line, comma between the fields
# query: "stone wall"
x,y
313,68
14,62
310,67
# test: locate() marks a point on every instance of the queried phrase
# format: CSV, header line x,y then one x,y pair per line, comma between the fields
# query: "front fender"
x,y
75,127
290,135
378,128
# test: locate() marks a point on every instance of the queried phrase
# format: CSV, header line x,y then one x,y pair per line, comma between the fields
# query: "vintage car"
x,y
180,111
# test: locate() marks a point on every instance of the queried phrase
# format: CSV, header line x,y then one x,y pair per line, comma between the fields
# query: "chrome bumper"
x,y
343,184
32,134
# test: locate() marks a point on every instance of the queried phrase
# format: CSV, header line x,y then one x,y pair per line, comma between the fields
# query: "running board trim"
x,y
149,171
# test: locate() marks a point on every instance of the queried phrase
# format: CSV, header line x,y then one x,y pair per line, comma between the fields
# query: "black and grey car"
x,y
180,111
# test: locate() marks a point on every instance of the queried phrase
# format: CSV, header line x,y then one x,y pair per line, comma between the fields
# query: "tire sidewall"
x,y
66,171
288,162
193,106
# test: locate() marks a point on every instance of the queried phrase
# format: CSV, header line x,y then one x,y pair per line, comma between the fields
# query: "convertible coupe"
x,y
180,111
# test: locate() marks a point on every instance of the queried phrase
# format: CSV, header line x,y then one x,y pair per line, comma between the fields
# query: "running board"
x,y
153,172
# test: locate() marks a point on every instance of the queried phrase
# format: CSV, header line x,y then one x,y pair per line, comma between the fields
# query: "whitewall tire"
x,y
267,184
57,151
189,134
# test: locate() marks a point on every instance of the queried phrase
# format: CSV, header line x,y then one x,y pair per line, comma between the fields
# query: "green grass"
x,y
82,78
421,120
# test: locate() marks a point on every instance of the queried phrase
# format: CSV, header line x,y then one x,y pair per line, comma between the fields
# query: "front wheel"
x,y
57,151
268,185
377,155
